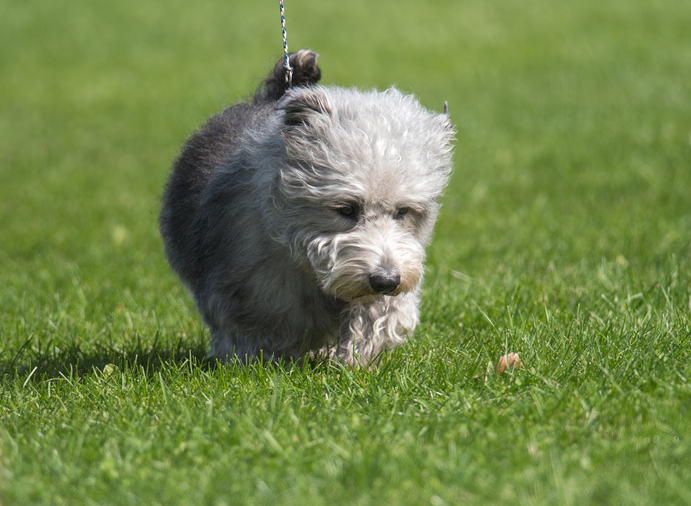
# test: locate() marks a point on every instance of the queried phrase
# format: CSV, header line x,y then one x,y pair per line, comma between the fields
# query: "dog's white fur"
x,y
324,190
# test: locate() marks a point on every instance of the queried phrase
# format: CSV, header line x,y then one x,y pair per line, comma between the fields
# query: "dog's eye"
x,y
401,212
348,210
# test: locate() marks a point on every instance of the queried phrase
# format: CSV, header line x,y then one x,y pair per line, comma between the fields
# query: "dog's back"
x,y
210,148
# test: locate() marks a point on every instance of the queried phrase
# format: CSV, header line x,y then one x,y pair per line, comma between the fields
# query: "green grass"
x,y
565,236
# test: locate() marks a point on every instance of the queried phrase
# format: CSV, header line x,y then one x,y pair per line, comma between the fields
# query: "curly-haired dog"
x,y
299,220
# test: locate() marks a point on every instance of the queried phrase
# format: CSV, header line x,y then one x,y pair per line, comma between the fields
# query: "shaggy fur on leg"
x,y
299,220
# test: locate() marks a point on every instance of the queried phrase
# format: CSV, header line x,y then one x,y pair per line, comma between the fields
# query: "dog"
x,y
299,219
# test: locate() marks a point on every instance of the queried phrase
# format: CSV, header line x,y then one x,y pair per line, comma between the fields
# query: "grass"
x,y
565,236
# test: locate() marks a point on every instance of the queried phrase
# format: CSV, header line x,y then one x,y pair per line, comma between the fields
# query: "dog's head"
x,y
357,192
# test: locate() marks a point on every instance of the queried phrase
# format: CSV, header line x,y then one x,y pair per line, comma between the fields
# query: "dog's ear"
x,y
444,120
300,104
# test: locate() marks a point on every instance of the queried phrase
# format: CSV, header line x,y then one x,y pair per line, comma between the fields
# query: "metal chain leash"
x,y
286,65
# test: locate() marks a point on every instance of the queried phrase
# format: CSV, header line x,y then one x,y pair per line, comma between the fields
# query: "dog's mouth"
x,y
387,291
367,294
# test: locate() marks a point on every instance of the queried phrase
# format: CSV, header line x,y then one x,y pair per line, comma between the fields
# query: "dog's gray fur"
x,y
299,220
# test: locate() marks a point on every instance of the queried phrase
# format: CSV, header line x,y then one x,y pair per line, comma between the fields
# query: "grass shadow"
x,y
48,361
44,360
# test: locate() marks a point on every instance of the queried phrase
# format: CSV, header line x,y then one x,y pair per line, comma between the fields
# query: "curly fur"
x,y
299,221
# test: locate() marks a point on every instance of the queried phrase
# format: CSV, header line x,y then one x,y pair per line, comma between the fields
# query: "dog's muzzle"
x,y
384,283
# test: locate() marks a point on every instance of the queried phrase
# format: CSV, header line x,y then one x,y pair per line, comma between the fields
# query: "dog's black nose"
x,y
384,283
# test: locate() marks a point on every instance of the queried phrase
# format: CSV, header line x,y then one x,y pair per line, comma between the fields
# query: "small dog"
x,y
299,220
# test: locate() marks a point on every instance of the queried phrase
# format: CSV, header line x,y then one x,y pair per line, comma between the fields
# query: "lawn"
x,y
565,236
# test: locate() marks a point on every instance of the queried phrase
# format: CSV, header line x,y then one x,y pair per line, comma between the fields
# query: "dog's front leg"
x,y
346,340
